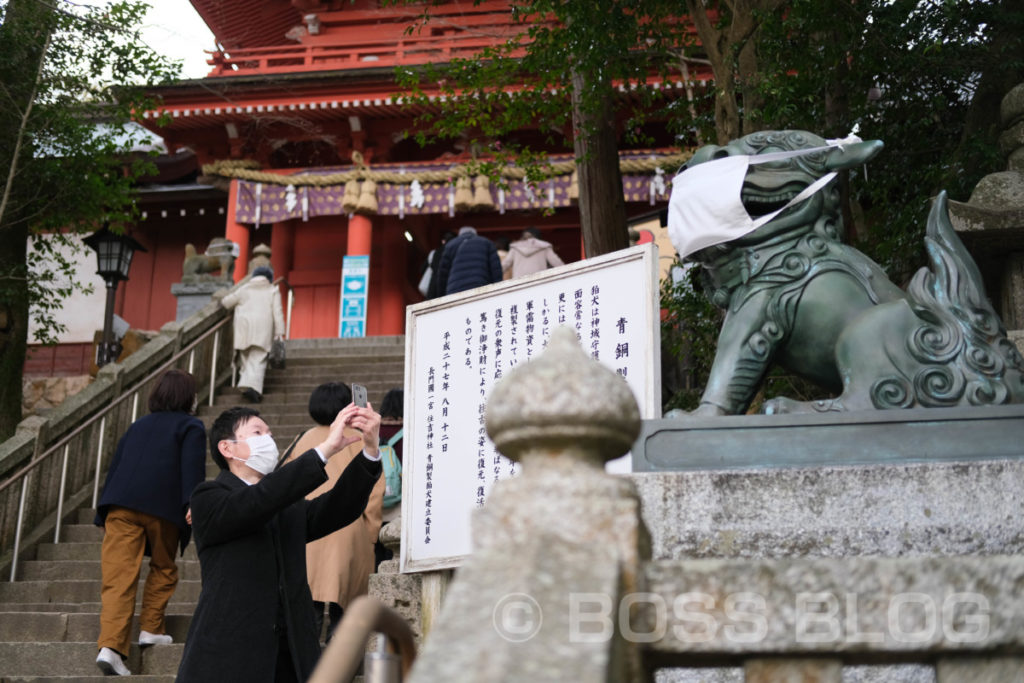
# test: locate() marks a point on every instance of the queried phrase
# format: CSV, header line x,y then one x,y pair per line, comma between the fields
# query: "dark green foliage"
x,y
910,73
689,329
523,84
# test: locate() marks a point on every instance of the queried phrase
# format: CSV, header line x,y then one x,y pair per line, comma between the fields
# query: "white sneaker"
x,y
147,638
111,664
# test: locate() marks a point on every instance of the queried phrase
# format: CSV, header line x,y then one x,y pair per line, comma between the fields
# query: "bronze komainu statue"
x,y
796,296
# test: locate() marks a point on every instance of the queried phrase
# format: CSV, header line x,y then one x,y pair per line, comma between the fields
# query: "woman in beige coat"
x,y
258,321
338,565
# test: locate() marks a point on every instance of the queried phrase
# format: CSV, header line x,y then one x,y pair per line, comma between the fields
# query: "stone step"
x,y
155,678
356,373
311,364
86,551
76,627
348,343
269,408
89,570
315,366
86,607
342,372
294,386
300,347
79,659
81,533
288,395
333,360
77,591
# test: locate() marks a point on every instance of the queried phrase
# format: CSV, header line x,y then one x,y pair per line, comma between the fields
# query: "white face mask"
x,y
262,453
706,206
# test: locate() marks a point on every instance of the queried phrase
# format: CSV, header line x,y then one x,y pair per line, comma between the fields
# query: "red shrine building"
x,y
299,139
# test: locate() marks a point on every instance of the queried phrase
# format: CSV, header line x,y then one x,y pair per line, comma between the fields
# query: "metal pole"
x,y
135,406
291,307
105,350
17,529
60,497
213,364
99,460
191,361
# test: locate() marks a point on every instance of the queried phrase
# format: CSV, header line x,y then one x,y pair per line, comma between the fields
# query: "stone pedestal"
x,y
830,439
194,295
892,497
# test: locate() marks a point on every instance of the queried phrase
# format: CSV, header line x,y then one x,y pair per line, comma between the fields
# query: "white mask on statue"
x,y
262,453
706,207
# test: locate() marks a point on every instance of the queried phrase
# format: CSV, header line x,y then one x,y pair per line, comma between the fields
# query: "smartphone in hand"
x,y
359,395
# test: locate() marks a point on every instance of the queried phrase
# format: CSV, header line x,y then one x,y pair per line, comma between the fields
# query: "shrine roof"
x,y
248,23
322,96
272,36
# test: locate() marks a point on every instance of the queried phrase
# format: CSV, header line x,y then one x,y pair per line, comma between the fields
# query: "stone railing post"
x,y
556,548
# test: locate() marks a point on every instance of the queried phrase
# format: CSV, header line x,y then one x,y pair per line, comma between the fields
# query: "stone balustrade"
x,y
88,425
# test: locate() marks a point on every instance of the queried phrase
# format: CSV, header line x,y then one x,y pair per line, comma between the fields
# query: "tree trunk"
x,y
13,326
732,52
23,38
601,203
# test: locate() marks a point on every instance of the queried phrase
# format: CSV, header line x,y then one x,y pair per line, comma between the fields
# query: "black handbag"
x,y
277,360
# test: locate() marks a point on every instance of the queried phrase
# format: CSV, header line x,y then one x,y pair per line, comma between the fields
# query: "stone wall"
x,y
40,395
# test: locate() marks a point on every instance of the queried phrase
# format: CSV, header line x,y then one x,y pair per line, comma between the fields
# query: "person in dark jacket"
x,y
254,620
469,261
434,265
158,462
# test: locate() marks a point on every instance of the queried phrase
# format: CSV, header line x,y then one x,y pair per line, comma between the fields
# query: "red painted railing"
x,y
298,58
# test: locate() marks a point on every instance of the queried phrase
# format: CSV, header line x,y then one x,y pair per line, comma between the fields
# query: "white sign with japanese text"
x,y
459,346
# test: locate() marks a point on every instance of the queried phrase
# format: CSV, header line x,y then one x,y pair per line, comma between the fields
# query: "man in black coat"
x,y
254,620
469,261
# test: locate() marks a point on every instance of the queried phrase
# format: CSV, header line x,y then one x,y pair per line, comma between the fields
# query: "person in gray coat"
x,y
259,319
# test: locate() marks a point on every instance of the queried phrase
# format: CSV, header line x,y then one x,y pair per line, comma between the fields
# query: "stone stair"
x,y
49,617
378,363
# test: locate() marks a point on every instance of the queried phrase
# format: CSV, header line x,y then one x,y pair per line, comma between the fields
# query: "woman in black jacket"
x,y
158,462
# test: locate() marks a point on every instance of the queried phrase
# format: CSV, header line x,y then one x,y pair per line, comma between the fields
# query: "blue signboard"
x,y
352,328
354,308
355,280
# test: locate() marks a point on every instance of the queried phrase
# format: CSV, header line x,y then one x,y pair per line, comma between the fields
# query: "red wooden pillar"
x,y
390,307
282,249
360,241
282,254
237,233
360,236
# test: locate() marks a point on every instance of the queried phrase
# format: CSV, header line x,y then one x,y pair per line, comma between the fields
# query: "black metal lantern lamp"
x,y
114,259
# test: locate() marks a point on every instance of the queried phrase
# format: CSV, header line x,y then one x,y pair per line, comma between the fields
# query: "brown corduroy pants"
x,y
124,543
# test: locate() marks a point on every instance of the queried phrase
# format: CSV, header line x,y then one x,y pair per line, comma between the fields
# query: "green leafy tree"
x,y
924,76
553,81
72,78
